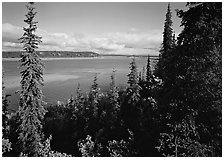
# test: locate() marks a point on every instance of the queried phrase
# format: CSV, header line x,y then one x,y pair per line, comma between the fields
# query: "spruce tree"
x,y
130,107
78,105
133,75
174,40
148,70
5,113
6,144
140,77
94,86
79,100
112,77
143,74
167,33
113,98
92,112
94,97
199,69
194,83
167,45
31,108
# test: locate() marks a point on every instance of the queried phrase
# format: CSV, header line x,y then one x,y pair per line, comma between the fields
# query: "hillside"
x,y
55,54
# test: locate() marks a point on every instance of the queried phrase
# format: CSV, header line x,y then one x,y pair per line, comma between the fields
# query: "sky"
x,y
128,28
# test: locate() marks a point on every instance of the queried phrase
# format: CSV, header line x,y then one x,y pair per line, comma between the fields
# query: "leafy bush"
x,y
6,146
89,148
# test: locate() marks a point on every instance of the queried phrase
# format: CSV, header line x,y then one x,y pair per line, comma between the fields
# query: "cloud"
x,y
135,51
131,42
11,33
8,28
137,39
11,46
105,44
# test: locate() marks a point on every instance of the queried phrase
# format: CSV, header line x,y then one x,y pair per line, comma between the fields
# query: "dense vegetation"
x,y
174,110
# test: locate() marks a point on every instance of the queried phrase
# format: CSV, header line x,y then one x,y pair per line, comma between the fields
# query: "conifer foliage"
x,y
172,110
195,70
6,145
148,70
167,45
168,32
130,106
5,113
113,98
133,75
31,109
200,45
94,96
133,89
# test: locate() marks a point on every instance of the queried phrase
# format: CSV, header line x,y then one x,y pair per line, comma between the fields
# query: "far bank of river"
x,y
57,58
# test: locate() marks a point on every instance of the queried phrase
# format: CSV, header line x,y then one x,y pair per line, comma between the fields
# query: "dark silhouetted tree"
x,y
194,82
92,111
5,113
133,75
167,45
79,102
200,68
94,96
143,73
139,76
148,70
6,144
113,98
130,107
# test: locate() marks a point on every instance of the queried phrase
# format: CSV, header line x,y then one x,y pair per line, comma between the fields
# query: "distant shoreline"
x,y
75,58
55,58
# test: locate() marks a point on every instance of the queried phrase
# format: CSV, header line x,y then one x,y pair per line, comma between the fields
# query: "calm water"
x,y
62,76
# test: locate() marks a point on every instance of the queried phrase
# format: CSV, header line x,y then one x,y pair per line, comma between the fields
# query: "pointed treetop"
x,y
78,90
143,73
148,69
168,13
112,85
31,106
95,84
168,32
133,75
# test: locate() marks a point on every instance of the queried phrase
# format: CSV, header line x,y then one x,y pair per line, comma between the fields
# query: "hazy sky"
x,y
110,28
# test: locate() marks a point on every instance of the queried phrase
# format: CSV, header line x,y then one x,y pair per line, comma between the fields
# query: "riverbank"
x,y
57,58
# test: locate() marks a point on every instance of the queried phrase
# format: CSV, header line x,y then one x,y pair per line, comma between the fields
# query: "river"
x,y
61,76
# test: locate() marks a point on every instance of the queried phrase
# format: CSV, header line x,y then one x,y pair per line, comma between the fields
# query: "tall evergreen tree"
x,y
94,96
196,74
31,108
167,45
148,69
130,107
143,73
112,77
6,144
79,100
94,86
133,75
140,76
5,113
167,33
174,40
113,98
200,71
